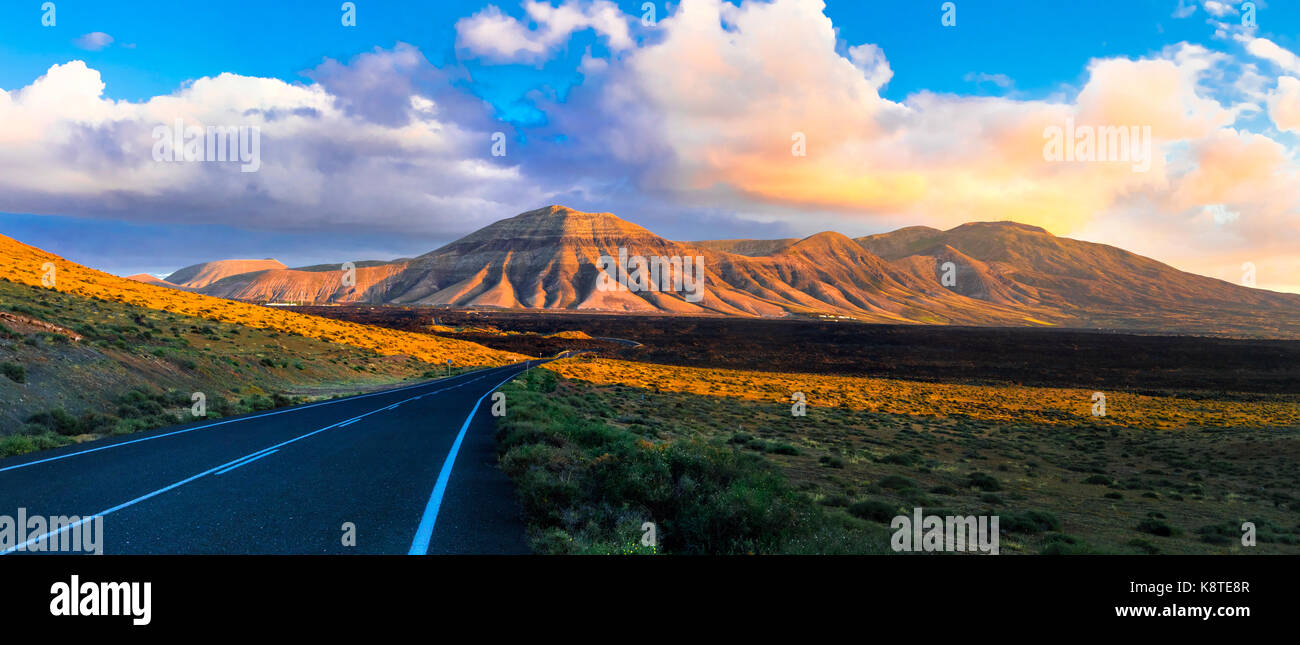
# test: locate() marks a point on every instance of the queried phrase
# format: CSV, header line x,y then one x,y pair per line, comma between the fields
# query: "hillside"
x,y
1087,283
205,273
314,284
77,367
157,282
24,264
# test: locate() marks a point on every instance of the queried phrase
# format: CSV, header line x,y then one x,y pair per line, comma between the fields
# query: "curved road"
x,y
413,469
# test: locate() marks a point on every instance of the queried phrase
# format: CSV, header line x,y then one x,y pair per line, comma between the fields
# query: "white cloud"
x,y
1001,80
325,163
93,41
1284,104
1272,52
871,60
1219,9
499,37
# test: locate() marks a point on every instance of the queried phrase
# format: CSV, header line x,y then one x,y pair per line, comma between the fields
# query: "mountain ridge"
x,y
980,273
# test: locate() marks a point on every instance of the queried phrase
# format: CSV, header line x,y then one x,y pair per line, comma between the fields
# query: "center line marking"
x,y
250,460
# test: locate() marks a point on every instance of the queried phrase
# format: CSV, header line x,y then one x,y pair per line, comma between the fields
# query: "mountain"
x,y
1001,273
1088,283
307,285
549,258
157,282
203,274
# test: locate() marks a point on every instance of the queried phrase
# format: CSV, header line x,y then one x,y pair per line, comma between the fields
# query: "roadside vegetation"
x,y
592,461
590,486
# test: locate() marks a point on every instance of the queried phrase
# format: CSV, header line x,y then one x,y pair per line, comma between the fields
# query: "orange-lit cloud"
x,y
762,73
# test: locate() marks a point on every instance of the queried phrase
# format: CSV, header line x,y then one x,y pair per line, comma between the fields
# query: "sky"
x,y
386,129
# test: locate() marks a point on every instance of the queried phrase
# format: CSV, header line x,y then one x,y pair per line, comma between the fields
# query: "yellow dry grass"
x,y
1003,404
27,265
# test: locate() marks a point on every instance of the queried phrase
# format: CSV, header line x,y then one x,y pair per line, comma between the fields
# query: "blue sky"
x,y
1021,55
1042,46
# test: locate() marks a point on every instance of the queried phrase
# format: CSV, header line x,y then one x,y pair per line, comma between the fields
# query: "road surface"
x,y
412,469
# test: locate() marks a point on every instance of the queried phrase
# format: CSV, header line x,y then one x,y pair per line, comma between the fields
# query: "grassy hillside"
x,y
28,265
76,367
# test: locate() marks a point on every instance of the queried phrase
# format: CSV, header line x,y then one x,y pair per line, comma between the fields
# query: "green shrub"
x,y
902,459
983,481
838,501
874,510
1156,527
1031,521
16,444
19,444
831,461
14,372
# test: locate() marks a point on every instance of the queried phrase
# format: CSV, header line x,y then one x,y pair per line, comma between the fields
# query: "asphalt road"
x,y
413,469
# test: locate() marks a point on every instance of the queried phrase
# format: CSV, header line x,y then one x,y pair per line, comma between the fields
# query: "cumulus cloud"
x,y
1272,52
1284,104
93,41
496,36
1162,92
395,161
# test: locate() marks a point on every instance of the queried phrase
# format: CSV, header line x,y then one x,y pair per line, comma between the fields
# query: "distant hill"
x,y
203,274
157,282
309,285
1084,282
